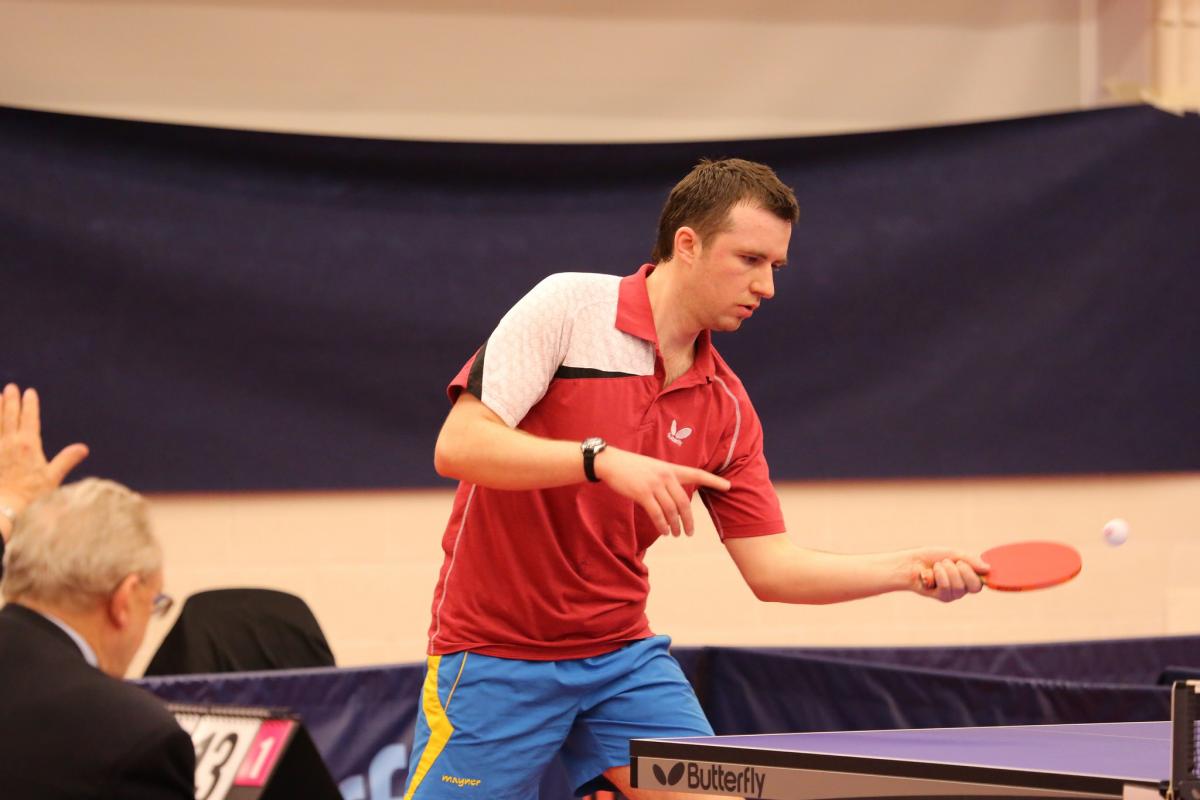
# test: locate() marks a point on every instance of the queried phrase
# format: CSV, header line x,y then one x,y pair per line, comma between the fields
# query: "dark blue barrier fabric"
x,y
362,719
216,310
756,692
1138,662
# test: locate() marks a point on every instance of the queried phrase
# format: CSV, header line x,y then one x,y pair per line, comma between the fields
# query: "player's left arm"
x,y
779,571
748,516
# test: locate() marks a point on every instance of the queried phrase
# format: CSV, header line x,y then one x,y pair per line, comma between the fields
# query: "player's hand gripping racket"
x,y
1021,566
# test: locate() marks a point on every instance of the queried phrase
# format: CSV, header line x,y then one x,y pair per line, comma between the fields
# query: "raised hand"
x,y
25,474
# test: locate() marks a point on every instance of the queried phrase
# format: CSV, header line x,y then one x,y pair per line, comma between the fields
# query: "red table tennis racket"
x,y
1020,566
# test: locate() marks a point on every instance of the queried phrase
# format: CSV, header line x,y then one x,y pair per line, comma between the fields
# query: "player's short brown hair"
x,y
702,200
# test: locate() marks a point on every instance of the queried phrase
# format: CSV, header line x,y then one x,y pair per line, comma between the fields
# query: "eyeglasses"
x,y
162,604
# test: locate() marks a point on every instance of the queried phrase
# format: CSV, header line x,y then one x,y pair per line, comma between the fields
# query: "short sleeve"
x,y
512,370
750,507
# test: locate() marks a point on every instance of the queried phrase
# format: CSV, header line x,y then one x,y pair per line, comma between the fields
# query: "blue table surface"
x,y
1139,751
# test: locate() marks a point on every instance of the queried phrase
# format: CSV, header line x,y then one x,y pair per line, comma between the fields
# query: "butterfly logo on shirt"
x,y
677,435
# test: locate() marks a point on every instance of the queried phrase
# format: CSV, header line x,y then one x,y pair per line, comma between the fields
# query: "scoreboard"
x,y
246,753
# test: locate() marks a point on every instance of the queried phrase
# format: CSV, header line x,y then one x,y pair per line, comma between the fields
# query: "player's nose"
x,y
763,285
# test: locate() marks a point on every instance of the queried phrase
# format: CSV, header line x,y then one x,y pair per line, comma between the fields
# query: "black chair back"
x,y
240,630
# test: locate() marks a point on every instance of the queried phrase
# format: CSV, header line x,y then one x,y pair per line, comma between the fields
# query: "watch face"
x,y
593,443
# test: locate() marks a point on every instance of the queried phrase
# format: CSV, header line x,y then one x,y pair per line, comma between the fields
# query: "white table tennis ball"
x,y
1116,531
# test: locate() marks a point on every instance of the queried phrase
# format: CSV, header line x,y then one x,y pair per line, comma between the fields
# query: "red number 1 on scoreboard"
x,y
264,751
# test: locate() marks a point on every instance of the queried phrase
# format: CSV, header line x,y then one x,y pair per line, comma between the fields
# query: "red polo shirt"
x,y
559,573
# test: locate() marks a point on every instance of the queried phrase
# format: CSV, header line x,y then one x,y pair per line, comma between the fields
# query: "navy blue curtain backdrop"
x,y
362,719
215,309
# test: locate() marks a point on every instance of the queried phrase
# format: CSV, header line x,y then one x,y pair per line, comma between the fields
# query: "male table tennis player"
x,y
579,431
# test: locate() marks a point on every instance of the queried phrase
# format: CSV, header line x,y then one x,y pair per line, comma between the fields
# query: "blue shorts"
x,y
489,727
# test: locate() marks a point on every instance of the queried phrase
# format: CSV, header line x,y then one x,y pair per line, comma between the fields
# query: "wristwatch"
x,y
591,447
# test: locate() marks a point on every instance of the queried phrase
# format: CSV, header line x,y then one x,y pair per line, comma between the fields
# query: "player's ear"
x,y
120,602
687,244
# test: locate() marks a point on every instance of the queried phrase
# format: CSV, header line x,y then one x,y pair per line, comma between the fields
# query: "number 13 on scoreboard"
x,y
236,755
221,744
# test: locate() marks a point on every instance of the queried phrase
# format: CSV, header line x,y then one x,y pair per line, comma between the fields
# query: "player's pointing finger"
x,y
702,478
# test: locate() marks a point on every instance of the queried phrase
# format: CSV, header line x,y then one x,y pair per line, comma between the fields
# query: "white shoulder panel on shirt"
x,y
566,320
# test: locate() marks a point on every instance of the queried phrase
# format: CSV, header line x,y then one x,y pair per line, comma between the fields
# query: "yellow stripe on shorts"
x,y
440,728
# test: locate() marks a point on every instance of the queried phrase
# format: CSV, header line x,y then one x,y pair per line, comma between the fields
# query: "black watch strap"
x,y
591,447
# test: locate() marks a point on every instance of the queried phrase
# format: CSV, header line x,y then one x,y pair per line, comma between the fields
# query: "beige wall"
x,y
546,70
1176,60
367,563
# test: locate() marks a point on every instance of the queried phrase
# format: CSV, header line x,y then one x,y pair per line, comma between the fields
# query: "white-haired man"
x,y
83,575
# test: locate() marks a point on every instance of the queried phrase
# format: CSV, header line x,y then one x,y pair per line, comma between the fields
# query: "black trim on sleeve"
x,y
475,376
587,372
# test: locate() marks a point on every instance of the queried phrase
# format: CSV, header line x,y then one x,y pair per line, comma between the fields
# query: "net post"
x,y
1185,744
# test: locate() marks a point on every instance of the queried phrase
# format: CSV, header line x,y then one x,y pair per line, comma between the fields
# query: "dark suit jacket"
x,y
68,730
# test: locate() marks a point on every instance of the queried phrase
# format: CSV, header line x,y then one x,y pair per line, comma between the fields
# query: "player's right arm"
x,y
475,445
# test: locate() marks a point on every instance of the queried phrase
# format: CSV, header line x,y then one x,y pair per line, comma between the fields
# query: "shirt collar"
x,y
89,654
636,317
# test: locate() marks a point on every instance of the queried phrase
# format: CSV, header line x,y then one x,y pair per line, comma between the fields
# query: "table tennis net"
x,y
1185,741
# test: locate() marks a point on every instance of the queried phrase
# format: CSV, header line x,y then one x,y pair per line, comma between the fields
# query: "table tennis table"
x,y
1129,760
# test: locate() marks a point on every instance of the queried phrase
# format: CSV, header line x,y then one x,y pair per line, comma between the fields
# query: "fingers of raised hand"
x,y
19,413
67,459
10,409
30,420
